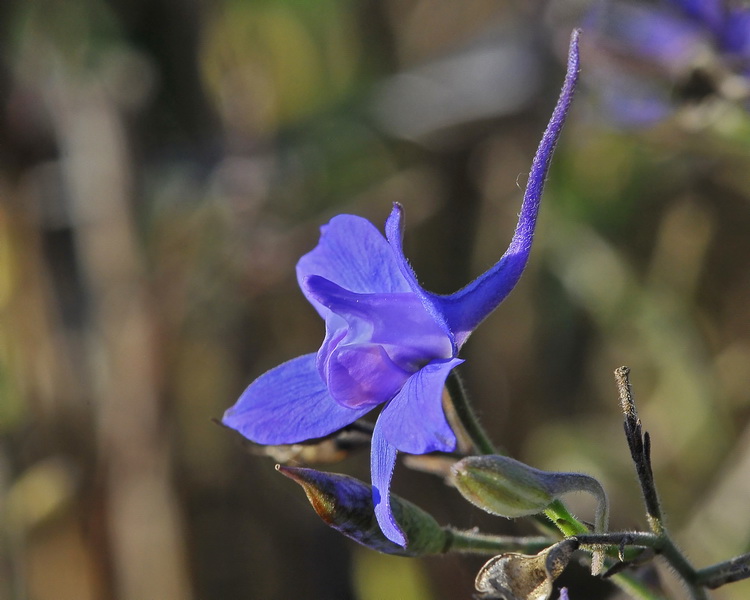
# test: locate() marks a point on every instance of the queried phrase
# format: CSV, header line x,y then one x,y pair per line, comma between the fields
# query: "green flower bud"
x,y
506,487
503,486
523,577
345,503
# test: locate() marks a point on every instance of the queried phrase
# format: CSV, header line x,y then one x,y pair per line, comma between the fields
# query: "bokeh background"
x,y
163,164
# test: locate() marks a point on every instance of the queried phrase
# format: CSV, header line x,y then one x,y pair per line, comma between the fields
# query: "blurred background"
x,y
164,163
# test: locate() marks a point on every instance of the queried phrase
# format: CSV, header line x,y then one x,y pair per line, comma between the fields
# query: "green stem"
x,y
680,564
568,525
725,572
557,512
661,544
466,415
634,588
473,542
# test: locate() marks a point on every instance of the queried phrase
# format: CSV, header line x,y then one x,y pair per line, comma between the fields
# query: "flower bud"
x,y
345,503
523,577
503,486
506,487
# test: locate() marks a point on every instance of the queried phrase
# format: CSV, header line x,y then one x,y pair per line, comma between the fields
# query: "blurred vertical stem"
x,y
144,523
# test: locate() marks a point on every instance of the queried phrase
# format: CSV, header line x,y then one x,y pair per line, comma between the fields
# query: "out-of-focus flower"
x,y
523,577
388,341
651,56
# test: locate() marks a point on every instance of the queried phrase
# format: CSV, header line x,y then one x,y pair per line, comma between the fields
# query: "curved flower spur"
x,y
388,341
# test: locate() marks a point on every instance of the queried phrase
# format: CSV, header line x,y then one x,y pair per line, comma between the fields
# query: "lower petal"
x,y
382,462
414,420
363,375
289,404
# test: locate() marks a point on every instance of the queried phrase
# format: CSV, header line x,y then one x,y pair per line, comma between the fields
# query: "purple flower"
x,y
388,341
652,53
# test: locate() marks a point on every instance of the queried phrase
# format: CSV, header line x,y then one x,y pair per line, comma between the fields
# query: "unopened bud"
x,y
503,486
506,487
524,577
345,503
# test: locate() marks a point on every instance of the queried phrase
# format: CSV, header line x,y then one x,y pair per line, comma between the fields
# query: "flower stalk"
x,y
466,415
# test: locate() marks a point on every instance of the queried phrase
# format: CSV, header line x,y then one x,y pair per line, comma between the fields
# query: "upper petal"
x,y
394,233
382,462
353,254
399,322
414,420
465,309
289,404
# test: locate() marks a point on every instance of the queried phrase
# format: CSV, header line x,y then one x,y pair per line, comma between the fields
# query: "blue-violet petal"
x,y
353,254
398,322
289,404
382,463
362,375
414,420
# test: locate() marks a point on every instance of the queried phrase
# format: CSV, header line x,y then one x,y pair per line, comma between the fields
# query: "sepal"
x,y
523,577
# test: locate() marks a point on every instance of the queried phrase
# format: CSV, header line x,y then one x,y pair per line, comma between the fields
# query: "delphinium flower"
x,y
652,57
388,341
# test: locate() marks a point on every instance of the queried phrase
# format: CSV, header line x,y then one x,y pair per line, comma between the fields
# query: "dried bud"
x,y
345,504
523,577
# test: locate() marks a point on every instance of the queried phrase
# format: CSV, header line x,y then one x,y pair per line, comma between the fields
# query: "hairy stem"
x,y
467,416
639,443
735,569
640,449
473,542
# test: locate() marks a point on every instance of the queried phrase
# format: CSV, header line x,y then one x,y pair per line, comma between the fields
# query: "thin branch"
x,y
736,569
640,450
472,542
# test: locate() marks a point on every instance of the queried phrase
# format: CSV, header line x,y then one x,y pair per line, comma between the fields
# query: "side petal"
x,y
289,404
414,420
382,463
353,254
465,309
708,12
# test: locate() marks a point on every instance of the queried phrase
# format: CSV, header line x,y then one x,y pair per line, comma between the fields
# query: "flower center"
x,y
374,343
